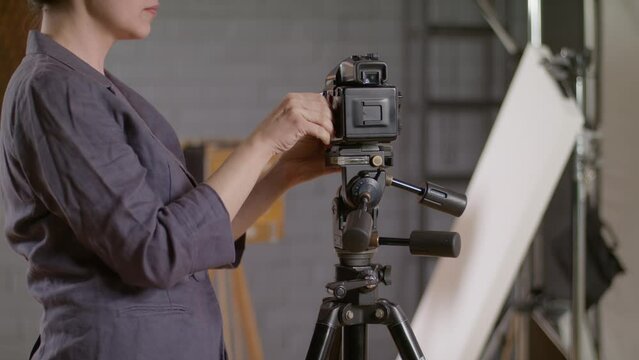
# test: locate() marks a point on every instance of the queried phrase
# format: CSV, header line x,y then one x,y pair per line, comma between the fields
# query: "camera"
x,y
365,108
365,112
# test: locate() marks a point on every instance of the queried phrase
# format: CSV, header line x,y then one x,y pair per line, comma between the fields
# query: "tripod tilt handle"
x,y
444,200
434,196
428,243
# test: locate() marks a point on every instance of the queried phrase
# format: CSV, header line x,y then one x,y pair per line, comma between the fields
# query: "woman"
x,y
117,234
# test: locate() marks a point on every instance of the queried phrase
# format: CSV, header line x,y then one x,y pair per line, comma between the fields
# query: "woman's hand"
x,y
304,162
299,115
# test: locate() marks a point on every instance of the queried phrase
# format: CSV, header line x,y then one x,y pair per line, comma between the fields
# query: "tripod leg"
x,y
402,333
355,346
336,348
326,329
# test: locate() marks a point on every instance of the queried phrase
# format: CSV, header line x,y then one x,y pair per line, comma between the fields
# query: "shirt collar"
x,y
39,43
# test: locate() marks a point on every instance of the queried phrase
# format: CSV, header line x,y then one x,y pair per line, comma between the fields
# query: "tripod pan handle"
x,y
435,243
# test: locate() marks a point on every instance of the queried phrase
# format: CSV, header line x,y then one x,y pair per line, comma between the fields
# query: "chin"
x,y
137,33
143,33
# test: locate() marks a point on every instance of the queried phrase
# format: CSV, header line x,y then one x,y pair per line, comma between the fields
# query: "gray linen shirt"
x,y
117,233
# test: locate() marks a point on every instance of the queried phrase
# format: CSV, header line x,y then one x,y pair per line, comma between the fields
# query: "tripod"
x,y
340,330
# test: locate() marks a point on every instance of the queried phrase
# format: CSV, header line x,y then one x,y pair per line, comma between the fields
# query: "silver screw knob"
x,y
349,315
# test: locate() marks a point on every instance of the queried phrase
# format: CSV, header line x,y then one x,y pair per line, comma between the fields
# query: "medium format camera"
x,y
365,108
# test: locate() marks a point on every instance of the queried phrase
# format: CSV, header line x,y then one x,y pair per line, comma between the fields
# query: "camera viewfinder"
x,y
370,77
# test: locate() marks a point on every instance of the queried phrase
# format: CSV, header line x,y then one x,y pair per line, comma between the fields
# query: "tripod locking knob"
x,y
340,288
385,275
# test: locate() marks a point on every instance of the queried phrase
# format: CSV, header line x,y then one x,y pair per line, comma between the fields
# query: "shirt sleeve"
x,y
75,153
240,245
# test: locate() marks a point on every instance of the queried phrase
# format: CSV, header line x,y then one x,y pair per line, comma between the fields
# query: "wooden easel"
x,y
240,325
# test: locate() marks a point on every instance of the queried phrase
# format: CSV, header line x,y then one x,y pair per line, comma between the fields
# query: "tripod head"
x,y
365,176
366,112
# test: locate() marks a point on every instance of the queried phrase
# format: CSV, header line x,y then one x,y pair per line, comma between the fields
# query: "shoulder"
x,y
37,77
50,83
43,77
43,90
50,79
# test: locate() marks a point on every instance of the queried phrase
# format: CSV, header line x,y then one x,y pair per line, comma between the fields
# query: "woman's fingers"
x,y
311,107
315,109
298,115
323,120
318,132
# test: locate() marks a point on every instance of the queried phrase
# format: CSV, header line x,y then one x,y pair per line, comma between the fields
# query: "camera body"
x,y
365,108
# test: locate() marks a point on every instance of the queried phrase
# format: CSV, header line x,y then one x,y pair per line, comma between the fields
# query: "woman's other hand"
x,y
305,161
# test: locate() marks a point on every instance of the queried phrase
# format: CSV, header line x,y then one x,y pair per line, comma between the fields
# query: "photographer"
x,y
117,233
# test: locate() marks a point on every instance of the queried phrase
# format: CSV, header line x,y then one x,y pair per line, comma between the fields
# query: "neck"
x,y
79,33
